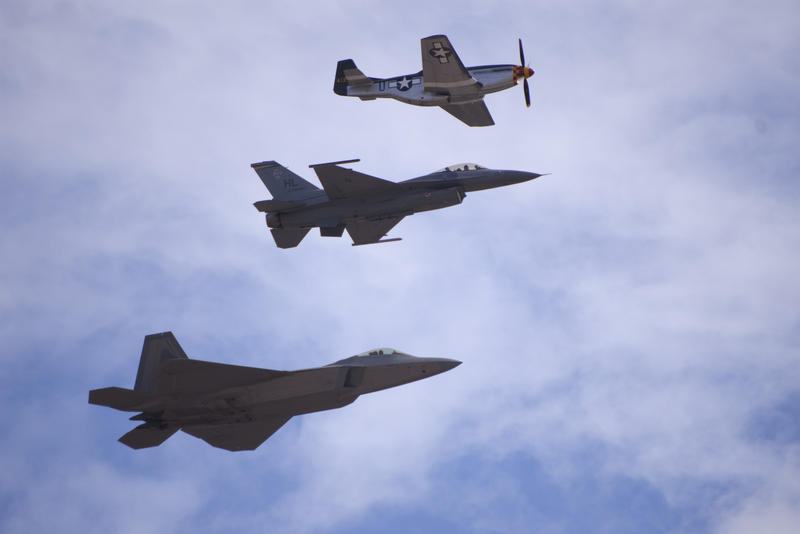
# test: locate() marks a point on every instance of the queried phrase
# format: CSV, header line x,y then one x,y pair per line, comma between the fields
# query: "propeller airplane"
x,y
443,81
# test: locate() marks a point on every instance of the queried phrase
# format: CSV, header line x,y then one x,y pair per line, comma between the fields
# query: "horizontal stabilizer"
x,y
339,182
288,237
147,435
275,205
123,399
197,376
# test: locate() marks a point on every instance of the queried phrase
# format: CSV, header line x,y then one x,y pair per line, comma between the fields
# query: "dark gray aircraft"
x,y
443,81
365,206
237,408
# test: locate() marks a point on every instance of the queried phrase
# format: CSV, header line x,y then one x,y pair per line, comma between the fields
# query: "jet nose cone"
x,y
522,176
445,364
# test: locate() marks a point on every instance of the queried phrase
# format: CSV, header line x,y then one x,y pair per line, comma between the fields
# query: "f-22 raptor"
x,y
366,206
237,408
443,81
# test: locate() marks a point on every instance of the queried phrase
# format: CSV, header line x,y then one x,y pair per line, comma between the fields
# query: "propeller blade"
x,y
527,93
521,54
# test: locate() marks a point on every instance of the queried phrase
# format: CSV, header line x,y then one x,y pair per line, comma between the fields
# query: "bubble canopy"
x,y
391,355
463,167
379,352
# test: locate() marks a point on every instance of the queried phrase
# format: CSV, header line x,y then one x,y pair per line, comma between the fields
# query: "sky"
x,y
628,325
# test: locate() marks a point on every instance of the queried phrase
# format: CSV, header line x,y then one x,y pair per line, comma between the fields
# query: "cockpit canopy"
x,y
358,358
463,167
378,352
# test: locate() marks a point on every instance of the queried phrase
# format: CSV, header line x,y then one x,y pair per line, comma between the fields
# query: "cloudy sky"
x,y
629,325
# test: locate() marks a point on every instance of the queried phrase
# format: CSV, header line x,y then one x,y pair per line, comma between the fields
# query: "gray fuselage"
x,y
300,392
440,189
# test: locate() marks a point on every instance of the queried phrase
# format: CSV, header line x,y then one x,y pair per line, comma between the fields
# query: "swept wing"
x,y
339,182
364,232
245,436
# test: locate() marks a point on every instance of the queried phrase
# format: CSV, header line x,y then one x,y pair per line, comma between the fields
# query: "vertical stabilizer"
x,y
283,183
157,349
347,75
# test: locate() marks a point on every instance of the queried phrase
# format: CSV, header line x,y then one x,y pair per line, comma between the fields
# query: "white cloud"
x,y
639,301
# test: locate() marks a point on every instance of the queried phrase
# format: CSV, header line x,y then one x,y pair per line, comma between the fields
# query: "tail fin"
x,y
283,183
347,74
157,349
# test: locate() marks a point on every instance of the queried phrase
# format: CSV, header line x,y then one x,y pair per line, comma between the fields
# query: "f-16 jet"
x,y
237,408
443,81
366,206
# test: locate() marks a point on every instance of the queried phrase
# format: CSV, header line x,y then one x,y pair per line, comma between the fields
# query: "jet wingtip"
x,y
261,164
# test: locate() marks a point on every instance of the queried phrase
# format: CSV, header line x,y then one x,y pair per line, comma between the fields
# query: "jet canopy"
x,y
463,167
378,352
358,358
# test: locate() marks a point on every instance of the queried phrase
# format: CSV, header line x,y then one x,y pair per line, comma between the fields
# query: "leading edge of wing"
x,y
339,182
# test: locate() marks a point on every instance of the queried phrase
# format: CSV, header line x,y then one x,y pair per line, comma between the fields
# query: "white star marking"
x,y
439,52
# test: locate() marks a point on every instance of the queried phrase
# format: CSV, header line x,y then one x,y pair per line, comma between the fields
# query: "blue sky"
x,y
628,324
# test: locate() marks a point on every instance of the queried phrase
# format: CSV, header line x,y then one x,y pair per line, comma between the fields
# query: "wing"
x,y
238,436
197,376
339,182
474,113
364,232
442,70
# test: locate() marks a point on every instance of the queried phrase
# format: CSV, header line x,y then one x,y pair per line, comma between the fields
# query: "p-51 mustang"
x,y
366,206
443,81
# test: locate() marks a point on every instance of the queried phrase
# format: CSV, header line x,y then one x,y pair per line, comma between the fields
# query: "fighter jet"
x,y
366,206
443,81
237,408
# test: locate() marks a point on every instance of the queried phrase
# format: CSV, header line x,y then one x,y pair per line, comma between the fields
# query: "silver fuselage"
x,y
410,88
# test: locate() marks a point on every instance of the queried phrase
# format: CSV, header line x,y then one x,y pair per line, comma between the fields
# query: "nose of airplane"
x,y
445,364
515,177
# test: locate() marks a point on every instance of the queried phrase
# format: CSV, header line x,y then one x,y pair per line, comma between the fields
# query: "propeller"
x,y
524,72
